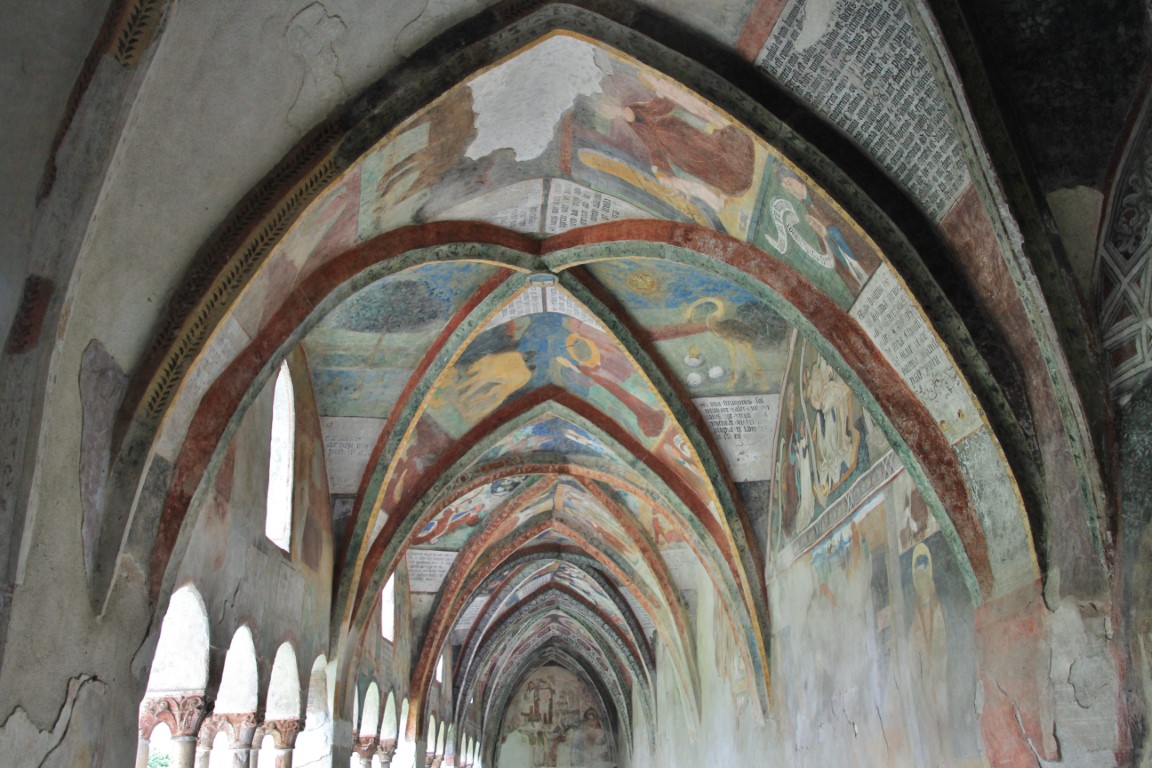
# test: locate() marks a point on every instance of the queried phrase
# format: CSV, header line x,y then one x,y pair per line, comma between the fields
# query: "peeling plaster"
x,y
20,736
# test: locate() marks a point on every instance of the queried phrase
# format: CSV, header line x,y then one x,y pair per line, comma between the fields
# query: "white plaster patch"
x,y
819,16
348,444
518,103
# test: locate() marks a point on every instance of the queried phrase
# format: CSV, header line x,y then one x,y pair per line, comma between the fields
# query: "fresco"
x,y
839,611
363,353
826,442
659,146
547,434
612,139
555,719
718,338
452,528
803,227
877,632
330,230
661,527
505,362
938,632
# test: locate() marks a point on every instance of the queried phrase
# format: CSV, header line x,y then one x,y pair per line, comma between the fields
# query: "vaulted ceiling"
x,y
601,308
559,436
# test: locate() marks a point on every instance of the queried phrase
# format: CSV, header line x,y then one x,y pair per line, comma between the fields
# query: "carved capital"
x,y
386,750
182,714
240,727
366,746
284,731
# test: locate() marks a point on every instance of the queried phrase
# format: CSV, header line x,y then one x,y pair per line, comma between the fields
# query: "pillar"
x,y
386,750
366,746
183,715
283,732
238,726
142,752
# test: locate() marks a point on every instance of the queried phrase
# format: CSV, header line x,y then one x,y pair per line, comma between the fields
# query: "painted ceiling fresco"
x,y
563,452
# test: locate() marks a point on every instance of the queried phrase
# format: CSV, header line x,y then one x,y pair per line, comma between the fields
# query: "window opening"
x,y
388,609
282,444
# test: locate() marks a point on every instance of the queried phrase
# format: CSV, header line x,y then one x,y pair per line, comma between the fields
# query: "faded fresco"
x,y
875,627
548,435
363,353
611,140
523,349
825,444
533,351
555,719
718,338
452,528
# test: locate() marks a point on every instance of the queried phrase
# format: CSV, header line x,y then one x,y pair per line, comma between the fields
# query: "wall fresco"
x,y
826,442
875,627
555,719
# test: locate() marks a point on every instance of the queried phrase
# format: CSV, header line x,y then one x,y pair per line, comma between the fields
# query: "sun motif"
x,y
643,283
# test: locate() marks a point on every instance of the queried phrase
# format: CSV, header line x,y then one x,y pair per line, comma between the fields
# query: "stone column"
x,y
142,752
366,747
283,732
386,750
183,716
254,750
239,727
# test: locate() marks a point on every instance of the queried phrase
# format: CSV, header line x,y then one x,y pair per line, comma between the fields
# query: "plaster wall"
x,y
45,53
245,578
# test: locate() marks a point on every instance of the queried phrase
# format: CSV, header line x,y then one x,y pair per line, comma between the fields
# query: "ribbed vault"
x,y
604,350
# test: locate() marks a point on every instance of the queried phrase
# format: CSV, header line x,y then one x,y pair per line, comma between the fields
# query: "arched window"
x,y
278,521
440,669
388,609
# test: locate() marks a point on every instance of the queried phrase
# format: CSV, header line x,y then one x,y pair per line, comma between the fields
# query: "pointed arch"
x,y
180,663
284,686
239,680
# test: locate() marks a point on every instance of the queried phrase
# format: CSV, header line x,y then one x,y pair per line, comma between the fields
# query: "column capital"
x,y
366,746
284,731
386,749
240,727
182,714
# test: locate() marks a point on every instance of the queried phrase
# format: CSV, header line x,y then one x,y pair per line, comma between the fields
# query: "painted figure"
x,y
820,219
835,437
929,643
